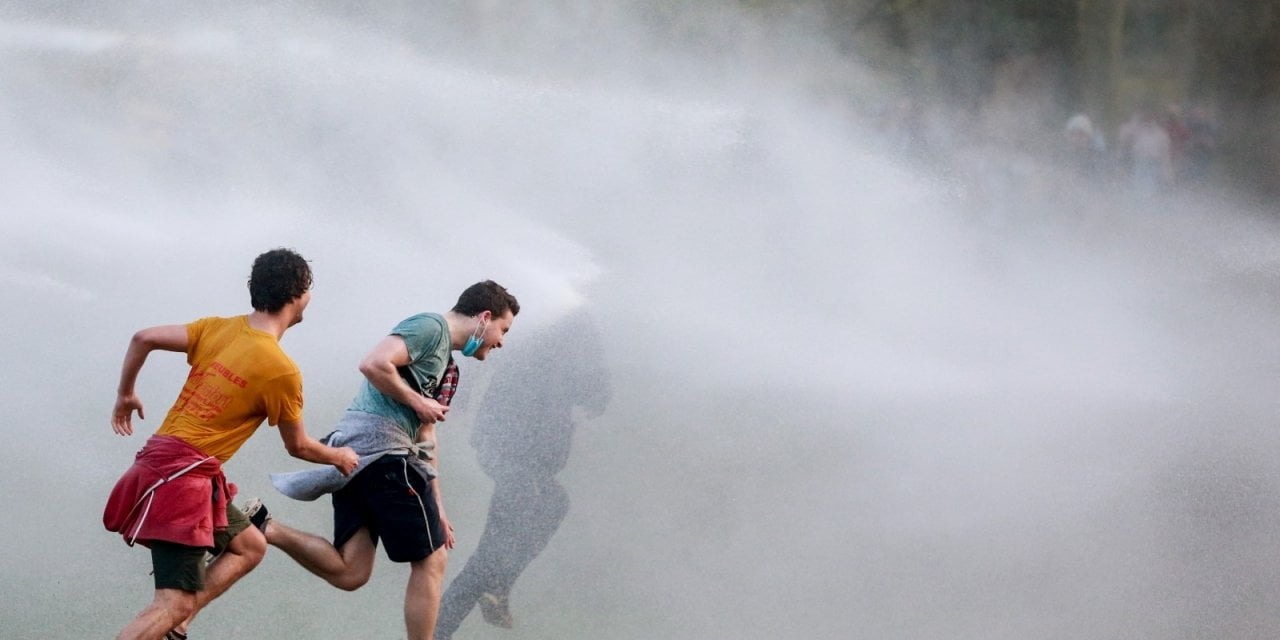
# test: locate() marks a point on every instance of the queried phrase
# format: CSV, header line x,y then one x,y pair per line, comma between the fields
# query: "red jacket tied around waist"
x,y
173,492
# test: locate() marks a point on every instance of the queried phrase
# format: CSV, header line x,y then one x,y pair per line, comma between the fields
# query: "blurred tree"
x,y
1237,71
1102,57
1108,56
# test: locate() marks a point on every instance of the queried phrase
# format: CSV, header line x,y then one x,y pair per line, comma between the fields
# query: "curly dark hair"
x,y
486,296
278,276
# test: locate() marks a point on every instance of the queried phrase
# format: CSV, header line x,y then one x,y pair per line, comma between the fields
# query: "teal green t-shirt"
x,y
427,337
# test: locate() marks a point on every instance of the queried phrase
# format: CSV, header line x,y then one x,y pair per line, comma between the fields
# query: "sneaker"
x,y
257,514
494,609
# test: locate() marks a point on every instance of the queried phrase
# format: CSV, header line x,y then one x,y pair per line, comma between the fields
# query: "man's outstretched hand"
x,y
122,416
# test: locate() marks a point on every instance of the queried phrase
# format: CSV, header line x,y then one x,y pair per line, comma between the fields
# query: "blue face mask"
x,y
474,342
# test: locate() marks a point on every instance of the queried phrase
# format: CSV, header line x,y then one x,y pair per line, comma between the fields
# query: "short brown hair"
x,y
486,296
278,276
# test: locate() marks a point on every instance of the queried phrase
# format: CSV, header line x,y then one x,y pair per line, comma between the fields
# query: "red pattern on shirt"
x,y
448,383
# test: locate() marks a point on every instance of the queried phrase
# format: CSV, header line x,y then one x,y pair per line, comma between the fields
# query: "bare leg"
x,y
347,568
422,596
170,607
245,552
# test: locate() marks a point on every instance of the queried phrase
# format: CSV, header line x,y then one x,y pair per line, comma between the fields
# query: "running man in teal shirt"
x,y
394,496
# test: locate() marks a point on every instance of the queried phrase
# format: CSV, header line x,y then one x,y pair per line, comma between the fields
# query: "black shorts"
x,y
396,504
177,566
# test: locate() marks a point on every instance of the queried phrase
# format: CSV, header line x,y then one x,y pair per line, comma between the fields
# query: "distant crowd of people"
x,y
1008,139
1011,150
1154,148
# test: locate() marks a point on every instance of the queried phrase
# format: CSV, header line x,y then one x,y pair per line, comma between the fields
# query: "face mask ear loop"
x,y
474,342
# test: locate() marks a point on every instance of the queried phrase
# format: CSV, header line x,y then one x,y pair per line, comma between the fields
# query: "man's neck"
x,y
272,323
460,328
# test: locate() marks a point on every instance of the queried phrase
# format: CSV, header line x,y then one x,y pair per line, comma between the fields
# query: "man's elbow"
x,y
295,449
165,338
142,340
370,368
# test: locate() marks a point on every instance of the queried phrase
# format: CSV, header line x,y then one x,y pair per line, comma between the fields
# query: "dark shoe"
x,y
257,514
494,609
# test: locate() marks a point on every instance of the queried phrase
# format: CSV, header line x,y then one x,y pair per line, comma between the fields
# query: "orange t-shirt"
x,y
239,377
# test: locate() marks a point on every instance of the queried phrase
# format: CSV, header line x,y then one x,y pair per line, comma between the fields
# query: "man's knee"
x,y
182,610
351,581
250,544
178,605
435,563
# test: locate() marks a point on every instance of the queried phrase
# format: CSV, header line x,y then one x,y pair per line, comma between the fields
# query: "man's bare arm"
x,y
379,367
170,337
304,447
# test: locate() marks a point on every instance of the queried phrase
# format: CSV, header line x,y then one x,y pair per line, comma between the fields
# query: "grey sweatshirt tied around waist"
x,y
372,437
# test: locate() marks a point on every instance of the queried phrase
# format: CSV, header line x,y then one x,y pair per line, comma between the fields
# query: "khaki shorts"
x,y
178,566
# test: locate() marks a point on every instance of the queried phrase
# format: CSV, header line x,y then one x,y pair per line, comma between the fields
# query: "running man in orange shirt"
x,y
175,499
